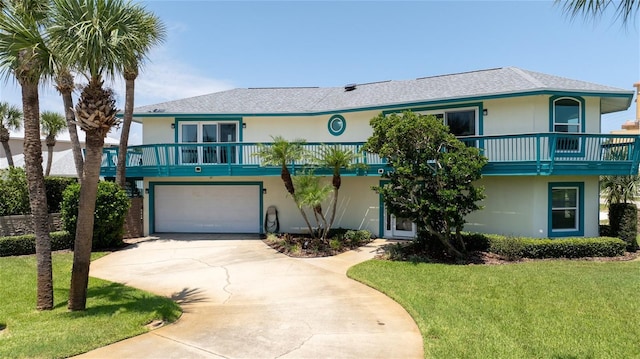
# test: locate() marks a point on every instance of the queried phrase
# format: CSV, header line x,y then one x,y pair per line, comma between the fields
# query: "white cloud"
x,y
171,81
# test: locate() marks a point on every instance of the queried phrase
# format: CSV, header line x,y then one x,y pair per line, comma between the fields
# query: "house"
x,y
62,164
541,134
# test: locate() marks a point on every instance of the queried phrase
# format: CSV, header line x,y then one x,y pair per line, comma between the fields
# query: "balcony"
x,y
509,155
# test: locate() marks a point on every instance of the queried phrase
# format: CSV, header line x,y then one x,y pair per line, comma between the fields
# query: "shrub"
x,y
623,218
26,244
14,192
513,248
55,186
357,238
112,205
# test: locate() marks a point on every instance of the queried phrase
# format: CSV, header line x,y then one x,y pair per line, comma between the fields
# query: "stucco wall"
x,y
520,205
158,130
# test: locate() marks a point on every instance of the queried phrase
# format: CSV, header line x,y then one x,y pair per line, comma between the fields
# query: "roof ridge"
x,y
527,76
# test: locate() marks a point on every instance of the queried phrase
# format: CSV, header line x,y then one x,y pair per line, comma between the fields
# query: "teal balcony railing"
x,y
524,154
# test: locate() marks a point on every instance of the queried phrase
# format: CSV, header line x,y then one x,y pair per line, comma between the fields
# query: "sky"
x,y
214,46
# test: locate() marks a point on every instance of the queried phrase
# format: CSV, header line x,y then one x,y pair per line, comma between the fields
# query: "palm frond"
x,y
52,123
101,37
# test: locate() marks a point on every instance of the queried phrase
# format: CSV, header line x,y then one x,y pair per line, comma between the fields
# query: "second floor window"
x,y
210,135
567,118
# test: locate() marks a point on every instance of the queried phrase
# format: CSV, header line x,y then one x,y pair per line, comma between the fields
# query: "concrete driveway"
x,y
242,299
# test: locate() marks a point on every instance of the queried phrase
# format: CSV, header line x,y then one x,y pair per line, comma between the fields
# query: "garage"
x,y
206,208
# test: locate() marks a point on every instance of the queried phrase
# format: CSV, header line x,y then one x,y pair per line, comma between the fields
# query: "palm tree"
x,y
10,119
336,158
620,189
25,55
623,9
312,193
283,153
53,124
65,85
154,31
98,38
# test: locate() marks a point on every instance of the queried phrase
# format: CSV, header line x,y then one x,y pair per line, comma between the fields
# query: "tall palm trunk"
x,y
96,115
84,227
37,196
51,142
64,84
4,138
130,76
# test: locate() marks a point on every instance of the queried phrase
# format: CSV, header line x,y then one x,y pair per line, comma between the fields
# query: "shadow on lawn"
x,y
111,298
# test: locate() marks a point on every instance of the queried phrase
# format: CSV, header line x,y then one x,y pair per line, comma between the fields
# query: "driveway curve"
x,y
242,299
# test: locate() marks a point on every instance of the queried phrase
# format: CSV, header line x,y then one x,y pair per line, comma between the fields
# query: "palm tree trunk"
x,y
7,152
84,228
73,133
121,167
49,160
37,195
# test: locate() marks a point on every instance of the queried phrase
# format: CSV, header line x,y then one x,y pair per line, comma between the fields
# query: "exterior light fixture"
x,y
485,112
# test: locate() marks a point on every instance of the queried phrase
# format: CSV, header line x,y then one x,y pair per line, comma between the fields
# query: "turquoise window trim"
x,y
334,118
579,99
468,105
580,231
152,187
178,120
581,102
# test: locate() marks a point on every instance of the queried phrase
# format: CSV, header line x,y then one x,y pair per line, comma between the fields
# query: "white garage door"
x,y
207,208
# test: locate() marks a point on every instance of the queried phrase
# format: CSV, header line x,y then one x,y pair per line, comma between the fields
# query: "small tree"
x,y
52,124
432,177
10,119
312,193
335,157
283,153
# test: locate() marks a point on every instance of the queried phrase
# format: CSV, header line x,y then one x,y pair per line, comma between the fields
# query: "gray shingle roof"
x,y
476,84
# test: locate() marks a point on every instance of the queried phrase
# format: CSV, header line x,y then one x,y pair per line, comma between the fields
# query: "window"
x,y
567,117
566,209
461,123
208,136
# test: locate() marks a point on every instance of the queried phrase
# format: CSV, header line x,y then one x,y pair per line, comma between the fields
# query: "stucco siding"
x,y
158,130
519,206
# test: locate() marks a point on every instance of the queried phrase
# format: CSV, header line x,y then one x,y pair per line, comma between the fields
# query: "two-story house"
x,y
541,134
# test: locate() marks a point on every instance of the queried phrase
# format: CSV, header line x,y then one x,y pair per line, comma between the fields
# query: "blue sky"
x,y
214,46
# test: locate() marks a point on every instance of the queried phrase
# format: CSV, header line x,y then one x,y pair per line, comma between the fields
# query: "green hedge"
x,y
112,205
26,244
623,218
514,248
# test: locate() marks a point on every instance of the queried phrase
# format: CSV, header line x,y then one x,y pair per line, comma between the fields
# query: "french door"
x,y
209,136
398,227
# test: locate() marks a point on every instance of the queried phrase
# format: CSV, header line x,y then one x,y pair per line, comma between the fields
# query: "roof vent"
x,y
349,87
156,110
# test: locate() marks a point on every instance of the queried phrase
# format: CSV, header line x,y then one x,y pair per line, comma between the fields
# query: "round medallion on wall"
x,y
337,124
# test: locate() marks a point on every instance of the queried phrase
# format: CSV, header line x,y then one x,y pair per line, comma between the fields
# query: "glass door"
x,y
398,227
209,140
228,134
189,134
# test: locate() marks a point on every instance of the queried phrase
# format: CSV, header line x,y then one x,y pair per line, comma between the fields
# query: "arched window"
x,y
567,115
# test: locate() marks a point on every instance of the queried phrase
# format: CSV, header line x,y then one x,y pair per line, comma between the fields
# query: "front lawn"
x,y
541,309
114,312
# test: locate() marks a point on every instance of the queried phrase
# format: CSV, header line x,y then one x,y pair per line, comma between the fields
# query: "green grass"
x,y
545,309
114,312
